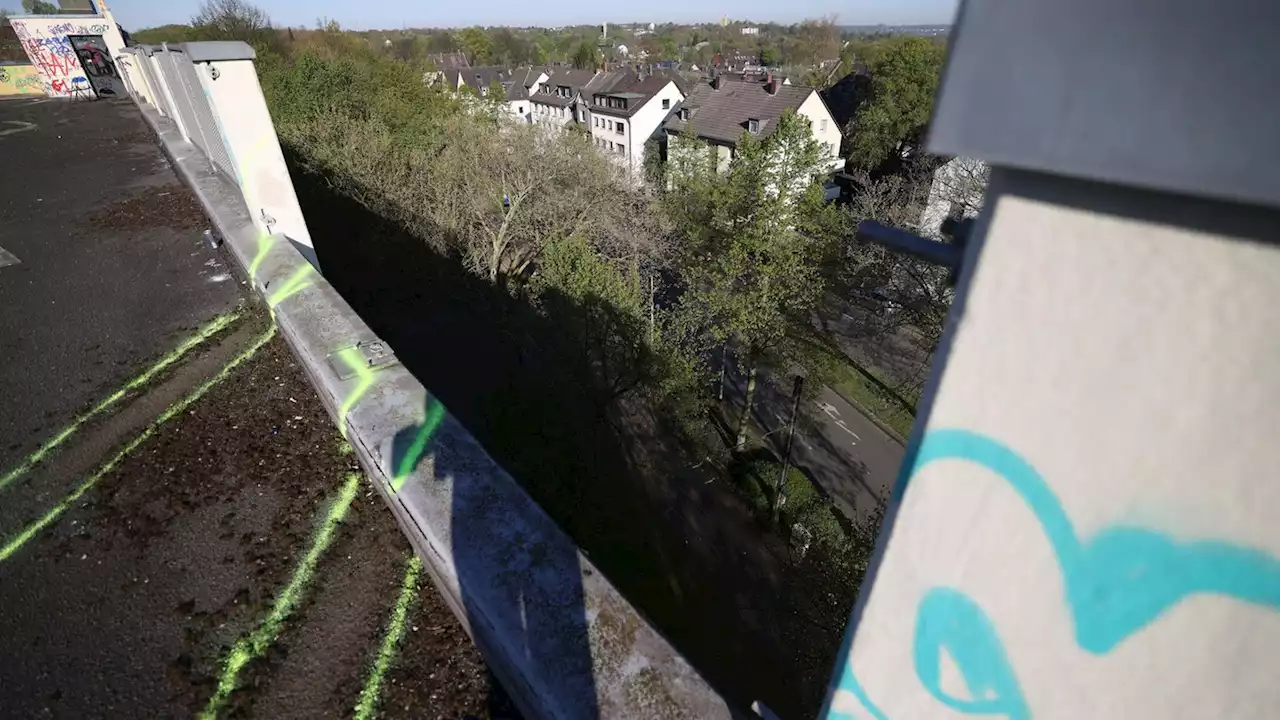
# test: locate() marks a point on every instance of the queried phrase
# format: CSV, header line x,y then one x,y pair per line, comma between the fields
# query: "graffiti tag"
x,y
1116,583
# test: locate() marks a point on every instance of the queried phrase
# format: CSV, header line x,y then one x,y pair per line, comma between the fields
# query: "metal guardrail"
x,y
173,87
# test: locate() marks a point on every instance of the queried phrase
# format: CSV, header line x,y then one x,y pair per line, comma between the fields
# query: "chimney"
x,y
770,86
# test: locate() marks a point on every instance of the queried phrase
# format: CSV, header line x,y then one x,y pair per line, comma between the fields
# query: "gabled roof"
x,y
517,81
636,88
842,97
448,61
520,81
722,115
574,79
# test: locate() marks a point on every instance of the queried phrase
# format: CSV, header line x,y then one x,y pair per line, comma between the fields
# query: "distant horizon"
x,y
140,14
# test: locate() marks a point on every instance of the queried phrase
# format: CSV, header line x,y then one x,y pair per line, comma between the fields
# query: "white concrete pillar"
x,y
1087,526
230,82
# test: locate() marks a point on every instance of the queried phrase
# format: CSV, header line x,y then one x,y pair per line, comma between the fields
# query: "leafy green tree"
x,y
770,56
230,20
669,49
894,116
495,92
477,45
755,257
39,7
586,57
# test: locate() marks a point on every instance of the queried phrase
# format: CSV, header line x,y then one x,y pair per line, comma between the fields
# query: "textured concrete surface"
x,y
88,303
560,638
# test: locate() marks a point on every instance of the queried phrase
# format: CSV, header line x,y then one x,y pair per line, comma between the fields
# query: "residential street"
x,y
847,455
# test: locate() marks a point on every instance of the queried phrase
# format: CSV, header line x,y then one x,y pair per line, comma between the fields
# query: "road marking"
x,y
834,414
367,707
7,258
846,429
17,541
21,127
256,643
209,330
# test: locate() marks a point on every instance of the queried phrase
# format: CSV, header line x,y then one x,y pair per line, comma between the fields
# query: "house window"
x,y
621,149
666,103
684,113
822,126
520,110
753,126
610,124
621,128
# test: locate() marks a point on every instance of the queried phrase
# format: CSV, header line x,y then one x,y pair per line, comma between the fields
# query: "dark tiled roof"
x,y
519,82
515,80
638,89
448,61
722,115
574,79
842,98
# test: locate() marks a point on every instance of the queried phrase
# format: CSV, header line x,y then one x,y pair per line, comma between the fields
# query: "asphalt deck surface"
x,y
142,550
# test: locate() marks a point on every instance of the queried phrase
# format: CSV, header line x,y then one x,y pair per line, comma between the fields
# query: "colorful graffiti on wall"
x,y
59,62
20,80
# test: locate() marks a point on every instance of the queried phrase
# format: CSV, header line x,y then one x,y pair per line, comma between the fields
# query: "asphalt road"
x,y
846,454
101,285
199,542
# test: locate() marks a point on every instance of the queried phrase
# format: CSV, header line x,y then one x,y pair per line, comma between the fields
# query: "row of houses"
x,y
623,109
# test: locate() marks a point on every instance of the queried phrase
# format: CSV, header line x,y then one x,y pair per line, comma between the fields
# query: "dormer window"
x,y
684,113
753,126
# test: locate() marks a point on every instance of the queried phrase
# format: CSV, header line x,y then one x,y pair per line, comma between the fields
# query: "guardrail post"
x,y
230,82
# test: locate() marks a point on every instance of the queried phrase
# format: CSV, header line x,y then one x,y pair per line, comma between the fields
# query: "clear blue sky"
x,y
358,15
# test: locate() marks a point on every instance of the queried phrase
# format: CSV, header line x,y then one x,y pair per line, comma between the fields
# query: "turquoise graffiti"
x,y
1116,583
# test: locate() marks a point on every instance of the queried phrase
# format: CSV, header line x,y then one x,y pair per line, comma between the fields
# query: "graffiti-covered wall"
x,y
64,68
1086,523
20,80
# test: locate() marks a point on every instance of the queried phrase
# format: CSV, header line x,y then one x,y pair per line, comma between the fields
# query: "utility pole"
x,y
653,325
724,360
780,492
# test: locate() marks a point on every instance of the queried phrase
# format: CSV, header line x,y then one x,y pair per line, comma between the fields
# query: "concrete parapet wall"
x,y
560,638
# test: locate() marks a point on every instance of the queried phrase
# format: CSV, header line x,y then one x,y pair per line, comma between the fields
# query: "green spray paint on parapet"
x,y
256,643
434,416
297,281
364,380
16,542
264,245
209,330
367,706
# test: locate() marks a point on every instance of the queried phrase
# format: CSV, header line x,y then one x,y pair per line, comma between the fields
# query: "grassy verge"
x,y
861,386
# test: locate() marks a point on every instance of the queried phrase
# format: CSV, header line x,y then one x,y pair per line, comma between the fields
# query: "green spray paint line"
x,y
372,692
15,543
256,643
296,282
351,356
435,414
264,244
209,330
